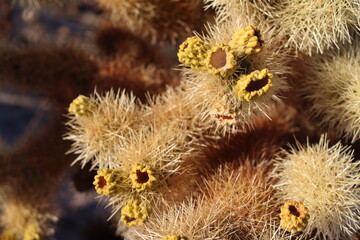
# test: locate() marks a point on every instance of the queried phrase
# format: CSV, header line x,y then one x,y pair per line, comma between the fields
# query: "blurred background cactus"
x,y
179,120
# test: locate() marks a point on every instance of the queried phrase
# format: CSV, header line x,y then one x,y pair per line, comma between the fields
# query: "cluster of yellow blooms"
x,y
222,60
141,178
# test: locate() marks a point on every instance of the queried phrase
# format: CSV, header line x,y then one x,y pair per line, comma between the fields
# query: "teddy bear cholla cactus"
x,y
149,144
325,179
120,132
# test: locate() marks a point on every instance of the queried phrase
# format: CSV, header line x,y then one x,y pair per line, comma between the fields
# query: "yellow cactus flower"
x,y
142,177
81,106
221,61
109,182
32,232
192,52
294,216
254,84
246,41
173,237
135,212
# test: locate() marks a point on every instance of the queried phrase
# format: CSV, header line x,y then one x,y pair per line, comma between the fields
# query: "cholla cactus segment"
x,y
142,177
294,216
221,61
259,10
159,20
135,212
32,232
192,52
194,218
253,85
326,179
320,25
332,87
81,106
109,182
246,41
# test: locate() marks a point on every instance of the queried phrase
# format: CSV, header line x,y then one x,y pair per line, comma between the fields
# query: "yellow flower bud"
x,y
135,212
81,106
142,177
192,52
254,84
294,216
246,41
109,182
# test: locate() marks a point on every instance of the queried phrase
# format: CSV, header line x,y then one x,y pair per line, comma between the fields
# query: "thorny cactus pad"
x,y
294,216
221,61
246,41
81,106
173,237
255,84
135,212
142,177
192,52
108,182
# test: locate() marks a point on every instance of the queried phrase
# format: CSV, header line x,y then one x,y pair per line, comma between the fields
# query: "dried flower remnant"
x,y
173,237
255,84
142,177
223,113
135,212
246,41
294,216
193,52
221,61
109,182
81,106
